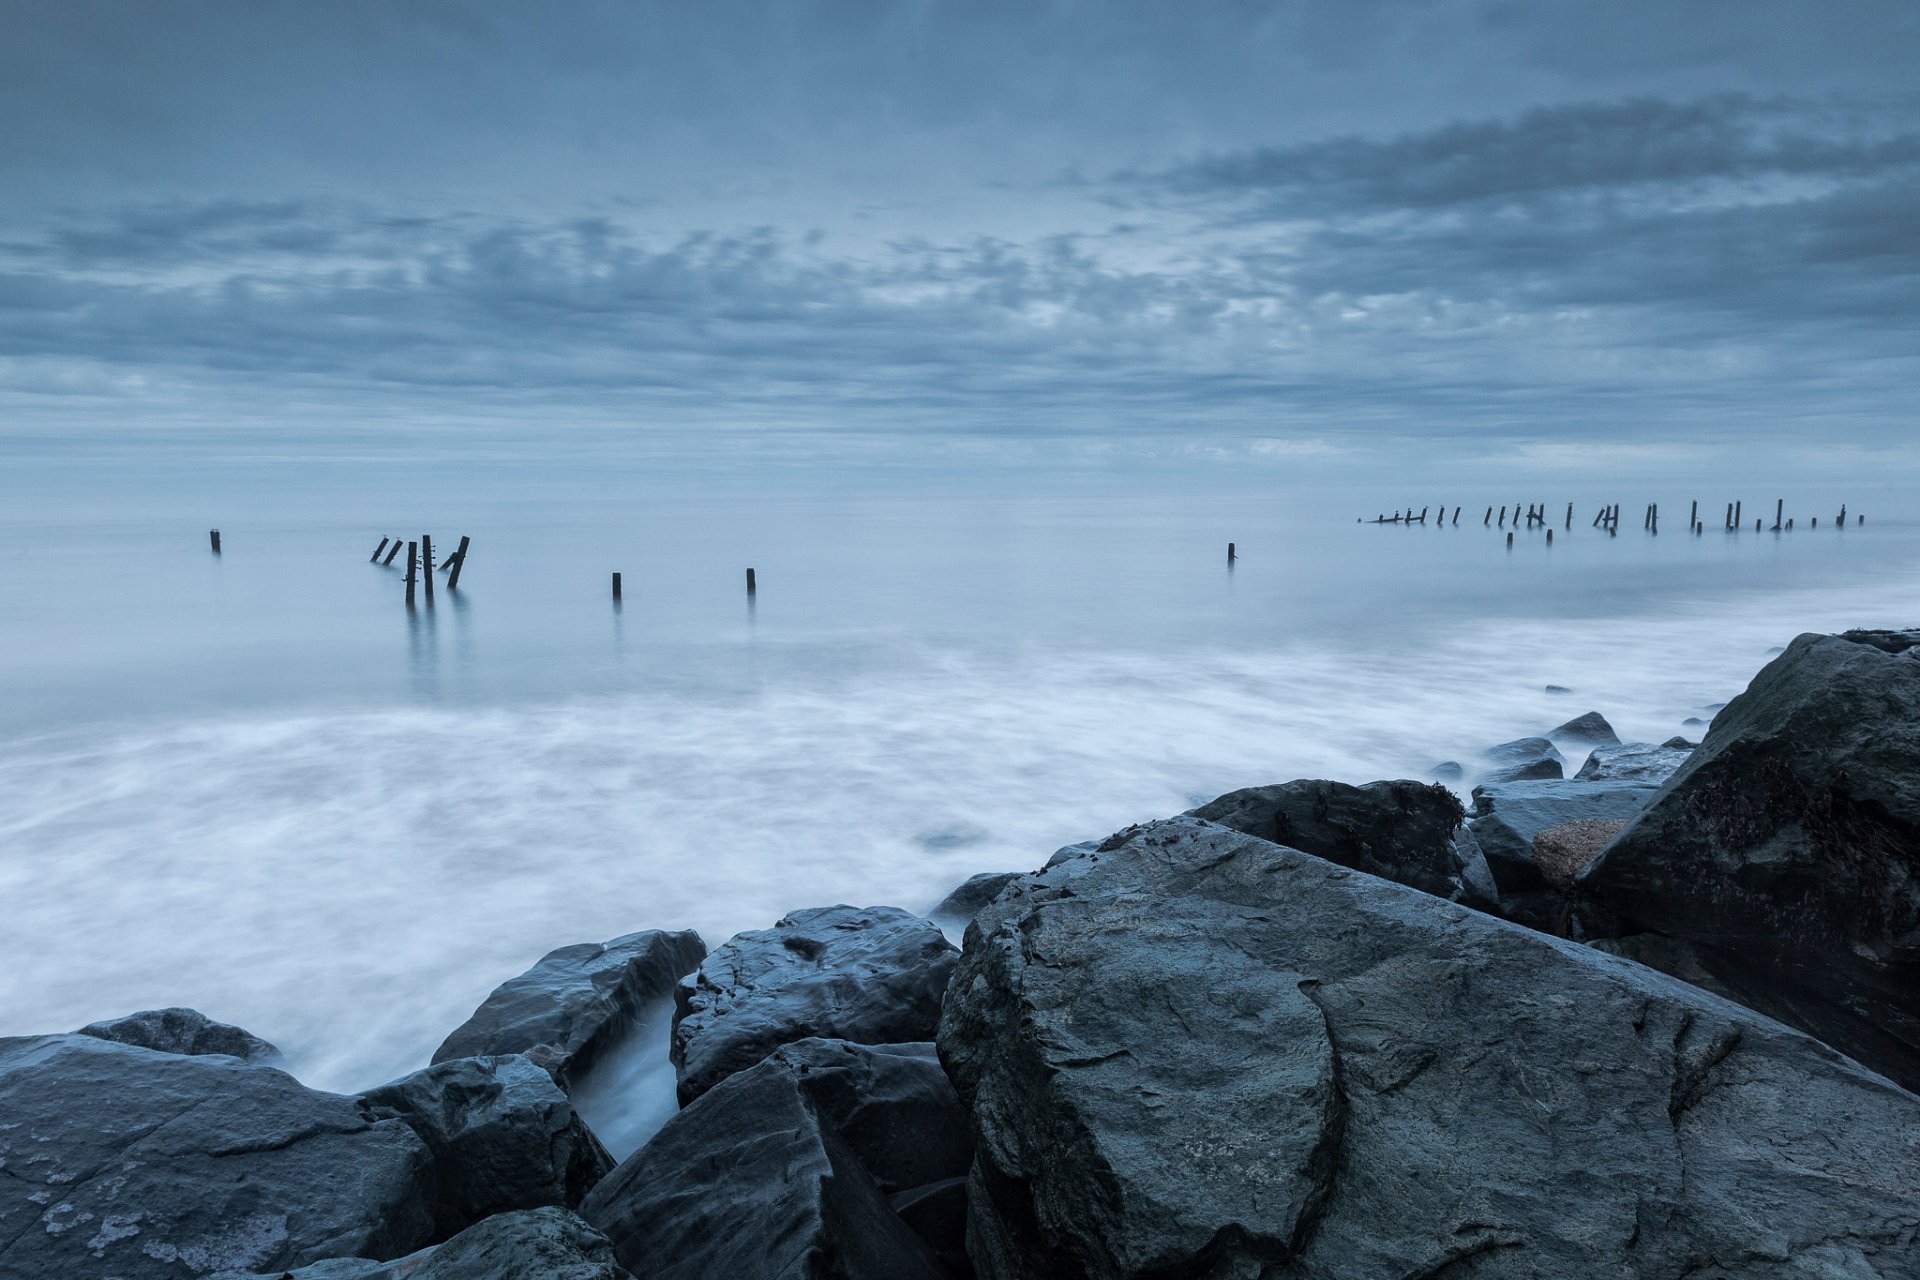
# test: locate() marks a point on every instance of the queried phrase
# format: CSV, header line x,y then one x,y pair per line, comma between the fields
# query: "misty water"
x,y
259,785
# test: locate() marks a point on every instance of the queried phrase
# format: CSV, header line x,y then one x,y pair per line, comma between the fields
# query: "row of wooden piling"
x,y
1607,518
420,566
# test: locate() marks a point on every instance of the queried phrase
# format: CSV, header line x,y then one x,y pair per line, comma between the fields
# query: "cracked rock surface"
x,y
1195,1053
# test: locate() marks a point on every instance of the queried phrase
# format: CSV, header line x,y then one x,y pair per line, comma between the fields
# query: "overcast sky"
x,y
1298,223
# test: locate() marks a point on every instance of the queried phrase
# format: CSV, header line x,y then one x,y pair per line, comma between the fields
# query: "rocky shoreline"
x,y
1658,1019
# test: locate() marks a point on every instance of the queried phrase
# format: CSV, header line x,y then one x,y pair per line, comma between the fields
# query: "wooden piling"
x,y
616,585
426,562
459,562
1756,524
1489,519
1779,510
1549,537
1729,523
1456,515
751,587
1509,538
213,537
394,551
1503,517
413,566
1569,516
377,550
1230,554
1737,521
1843,515
1693,515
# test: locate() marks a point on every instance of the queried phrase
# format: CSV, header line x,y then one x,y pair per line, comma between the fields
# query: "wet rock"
x,y
1786,849
1521,754
1640,762
976,893
1401,830
1557,688
1507,816
127,1162
531,1244
872,975
502,1135
1562,852
1693,721
786,1169
1066,851
1202,1054
186,1031
1447,771
575,1003
1678,743
1589,730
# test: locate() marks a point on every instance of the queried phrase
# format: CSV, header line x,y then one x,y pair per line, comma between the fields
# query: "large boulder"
x,y
1400,830
872,975
530,1244
128,1162
960,905
792,1168
1200,1054
1508,815
185,1031
1589,730
502,1135
1644,763
571,1006
1787,849
1521,760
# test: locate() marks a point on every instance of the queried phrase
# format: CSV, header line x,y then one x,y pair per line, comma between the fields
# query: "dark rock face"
x,y
1200,1054
186,1031
1787,849
1640,762
1521,753
1401,830
532,1244
1589,730
576,1001
976,893
873,975
120,1161
502,1136
787,1169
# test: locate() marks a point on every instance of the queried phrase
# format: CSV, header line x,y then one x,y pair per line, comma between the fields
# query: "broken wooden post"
x,y
1737,521
750,583
426,563
377,550
1509,539
1693,515
1230,555
1569,515
1779,509
1489,519
413,565
459,562
616,585
1756,524
391,553
1843,515
213,536
1456,515
1503,517
1729,521
1549,537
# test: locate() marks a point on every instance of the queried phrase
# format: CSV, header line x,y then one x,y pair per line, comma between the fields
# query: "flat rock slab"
x,y
871,975
1200,1054
1639,762
786,1169
576,1001
531,1244
1786,850
1507,816
124,1162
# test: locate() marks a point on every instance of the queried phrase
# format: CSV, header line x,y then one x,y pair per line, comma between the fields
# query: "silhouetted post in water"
x,y
1549,537
1653,519
750,583
1230,555
413,565
394,551
1423,514
616,586
1756,524
1489,519
1693,515
1509,539
1569,516
459,562
213,536
1456,515
426,562
1816,522
1789,524
1843,518
377,550
1779,509
1737,521
1729,521
1503,517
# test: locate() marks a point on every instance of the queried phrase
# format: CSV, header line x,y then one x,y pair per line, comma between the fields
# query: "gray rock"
x,y
502,1135
1401,830
126,1162
1521,753
185,1031
1589,730
785,1169
1678,743
575,1003
1693,721
1787,849
529,1244
1447,771
1507,816
1201,1054
1535,771
1558,688
1067,851
1640,762
976,893
873,975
